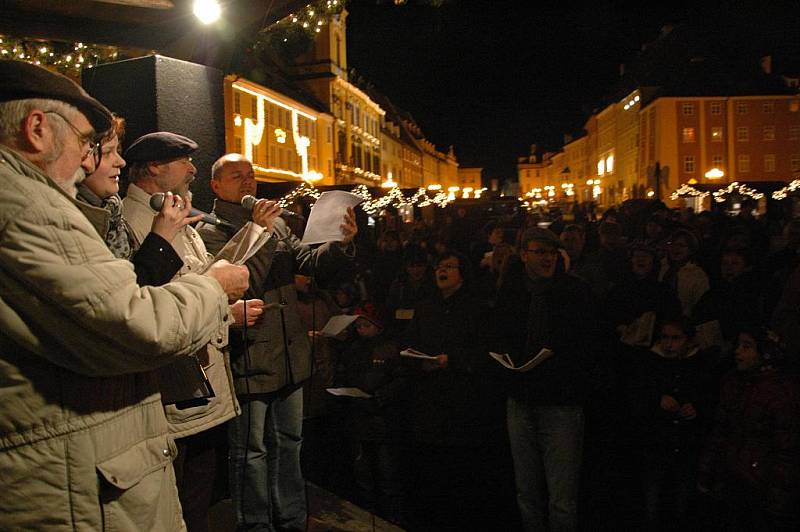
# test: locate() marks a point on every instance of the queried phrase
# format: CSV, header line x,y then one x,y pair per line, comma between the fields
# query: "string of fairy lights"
x,y
374,204
67,58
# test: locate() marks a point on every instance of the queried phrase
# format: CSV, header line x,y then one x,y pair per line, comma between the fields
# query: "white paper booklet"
x,y
337,324
348,392
327,216
506,361
413,353
639,332
244,244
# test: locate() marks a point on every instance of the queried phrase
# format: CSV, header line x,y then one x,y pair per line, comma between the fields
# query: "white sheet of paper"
x,y
336,324
506,361
327,216
244,244
412,353
348,392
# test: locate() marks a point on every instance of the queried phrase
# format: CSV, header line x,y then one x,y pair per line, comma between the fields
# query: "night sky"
x,y
492,77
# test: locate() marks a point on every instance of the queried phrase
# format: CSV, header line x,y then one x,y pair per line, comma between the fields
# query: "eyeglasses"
x,y
93,146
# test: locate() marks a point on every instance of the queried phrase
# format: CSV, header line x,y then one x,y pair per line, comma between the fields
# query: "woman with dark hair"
x,y
751,462
455,410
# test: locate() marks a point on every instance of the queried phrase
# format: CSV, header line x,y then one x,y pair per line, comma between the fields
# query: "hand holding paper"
x,y
332,218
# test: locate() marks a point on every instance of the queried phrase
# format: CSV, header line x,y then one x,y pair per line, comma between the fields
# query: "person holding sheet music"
x,y
541,306
271,360
456,410
161,162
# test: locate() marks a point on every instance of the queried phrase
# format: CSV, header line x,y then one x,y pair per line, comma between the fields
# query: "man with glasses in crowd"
x,y
545,405
84,443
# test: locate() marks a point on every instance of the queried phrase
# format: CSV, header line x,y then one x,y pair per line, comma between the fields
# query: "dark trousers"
x,y
195,473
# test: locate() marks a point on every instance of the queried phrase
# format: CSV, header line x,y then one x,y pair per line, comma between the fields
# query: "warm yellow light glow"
x,y
601,167
453,189
692,181
650,193
237,120
280,136
715,173
436,186
389,183
313,176
207,11
610,163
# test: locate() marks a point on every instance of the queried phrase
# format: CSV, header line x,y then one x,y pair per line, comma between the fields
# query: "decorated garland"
x,y
67,58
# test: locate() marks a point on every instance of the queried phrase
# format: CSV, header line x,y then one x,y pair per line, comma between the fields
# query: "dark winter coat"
x,y
276,352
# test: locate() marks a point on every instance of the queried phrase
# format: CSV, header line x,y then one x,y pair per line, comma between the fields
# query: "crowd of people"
x,y
633,373
668,401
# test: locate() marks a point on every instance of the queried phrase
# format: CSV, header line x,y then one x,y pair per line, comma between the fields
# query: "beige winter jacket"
x,y
224,405
84,444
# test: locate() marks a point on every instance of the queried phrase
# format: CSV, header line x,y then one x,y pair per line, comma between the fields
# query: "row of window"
x,y
742,133
742,163
742,108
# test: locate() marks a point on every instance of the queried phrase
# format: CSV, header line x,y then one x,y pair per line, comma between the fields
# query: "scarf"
x,y
118,237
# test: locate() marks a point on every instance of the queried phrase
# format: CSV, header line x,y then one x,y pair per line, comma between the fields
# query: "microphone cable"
x,y
249,411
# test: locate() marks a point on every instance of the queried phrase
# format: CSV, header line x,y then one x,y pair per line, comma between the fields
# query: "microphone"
x,y
157,201
248,202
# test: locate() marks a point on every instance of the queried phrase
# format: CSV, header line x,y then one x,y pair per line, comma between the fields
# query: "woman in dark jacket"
x,y
456,410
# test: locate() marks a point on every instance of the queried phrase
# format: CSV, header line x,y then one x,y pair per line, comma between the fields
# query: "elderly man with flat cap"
x,y
161,163
84,443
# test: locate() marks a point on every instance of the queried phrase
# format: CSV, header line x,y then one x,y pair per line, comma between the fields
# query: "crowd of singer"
x,y
670,399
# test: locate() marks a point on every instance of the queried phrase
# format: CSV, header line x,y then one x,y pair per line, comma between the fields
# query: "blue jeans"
x,y
547,447
267,485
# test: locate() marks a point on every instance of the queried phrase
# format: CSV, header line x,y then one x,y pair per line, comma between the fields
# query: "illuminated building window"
x,y
769,162
601,167
716,108
688,109
254,108
769,132
794,162
768,107
794,132
716,134
716,161
743,163
741,108
256,158
610,163
687,134
688,164
742,134
237,102
237,144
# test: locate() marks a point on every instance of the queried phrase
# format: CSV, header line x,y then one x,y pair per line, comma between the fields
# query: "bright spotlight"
x,y
207,11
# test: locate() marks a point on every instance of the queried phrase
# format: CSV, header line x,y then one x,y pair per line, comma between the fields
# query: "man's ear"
x,y
37,132
152,168
214,185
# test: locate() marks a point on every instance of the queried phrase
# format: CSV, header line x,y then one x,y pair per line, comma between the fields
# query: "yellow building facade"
x,y
284,139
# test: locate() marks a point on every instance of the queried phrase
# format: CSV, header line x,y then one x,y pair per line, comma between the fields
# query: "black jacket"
x,y
558,314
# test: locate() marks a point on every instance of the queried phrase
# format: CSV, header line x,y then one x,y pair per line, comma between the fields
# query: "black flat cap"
x,y
159,146
20,81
